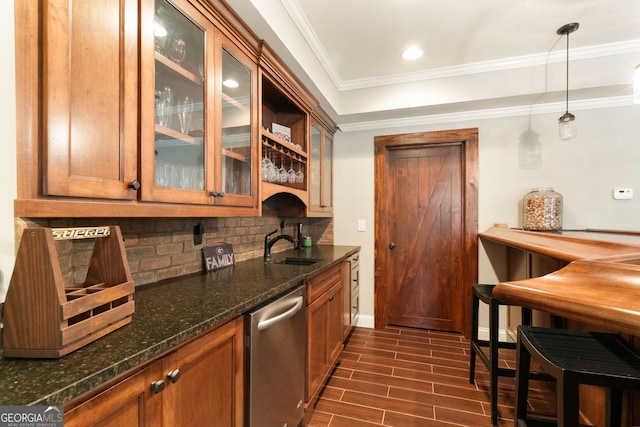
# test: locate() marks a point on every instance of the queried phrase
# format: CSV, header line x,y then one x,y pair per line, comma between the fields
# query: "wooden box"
x,y
43,317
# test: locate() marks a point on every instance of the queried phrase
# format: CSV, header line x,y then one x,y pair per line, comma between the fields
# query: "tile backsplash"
x,y
162,248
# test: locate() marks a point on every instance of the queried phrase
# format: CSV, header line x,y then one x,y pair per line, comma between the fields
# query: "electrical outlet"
x,y
623,193
198,231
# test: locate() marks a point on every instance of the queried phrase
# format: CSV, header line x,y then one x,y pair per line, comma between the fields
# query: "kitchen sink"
x,y
297,261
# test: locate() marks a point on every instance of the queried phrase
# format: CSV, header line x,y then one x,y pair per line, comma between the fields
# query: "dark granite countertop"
x,y
166,314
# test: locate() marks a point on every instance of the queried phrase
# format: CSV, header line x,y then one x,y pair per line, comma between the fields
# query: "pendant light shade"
x,y
567,122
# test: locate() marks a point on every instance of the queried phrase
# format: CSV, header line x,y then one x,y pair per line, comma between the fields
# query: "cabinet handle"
x,y
174,375
157,386
134,185
221,194
216,194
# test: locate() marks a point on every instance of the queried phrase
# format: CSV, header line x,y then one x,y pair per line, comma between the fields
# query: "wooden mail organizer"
x,y
46,318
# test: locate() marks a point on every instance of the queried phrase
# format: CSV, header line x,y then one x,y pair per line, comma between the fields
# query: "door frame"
x,y
469,140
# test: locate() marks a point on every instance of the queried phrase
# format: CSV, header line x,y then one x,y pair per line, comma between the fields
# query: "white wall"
x,y
8,137
605,155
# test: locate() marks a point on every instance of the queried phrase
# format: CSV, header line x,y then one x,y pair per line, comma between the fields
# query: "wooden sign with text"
x,y
218,255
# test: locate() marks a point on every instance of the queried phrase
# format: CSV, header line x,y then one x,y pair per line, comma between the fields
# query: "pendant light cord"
x,y
567,90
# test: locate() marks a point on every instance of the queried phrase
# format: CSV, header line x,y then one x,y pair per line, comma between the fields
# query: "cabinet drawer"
x,y
319,284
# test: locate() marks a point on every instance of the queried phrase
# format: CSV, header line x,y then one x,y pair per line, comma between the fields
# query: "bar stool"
x,y
484,293
574,358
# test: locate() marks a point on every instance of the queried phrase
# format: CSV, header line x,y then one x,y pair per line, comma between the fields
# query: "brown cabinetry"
x,y
160,108
324,328
90,102
198,384
198,143
320,172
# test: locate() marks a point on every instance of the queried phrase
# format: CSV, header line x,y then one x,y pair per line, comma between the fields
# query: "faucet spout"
x,y
268,243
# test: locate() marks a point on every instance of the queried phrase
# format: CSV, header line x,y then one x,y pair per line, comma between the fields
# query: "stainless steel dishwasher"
x,y
275,346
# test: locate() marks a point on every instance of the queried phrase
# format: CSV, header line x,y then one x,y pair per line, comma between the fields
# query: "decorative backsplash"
x,y
161,248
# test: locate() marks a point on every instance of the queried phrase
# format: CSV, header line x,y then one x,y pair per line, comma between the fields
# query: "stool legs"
x,y
523,364
493,350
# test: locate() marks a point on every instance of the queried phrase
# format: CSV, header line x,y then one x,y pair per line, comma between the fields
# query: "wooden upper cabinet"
x,y
320,172
90,98
199,122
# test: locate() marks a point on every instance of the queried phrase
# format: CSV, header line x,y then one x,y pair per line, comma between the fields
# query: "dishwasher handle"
x,y
267,323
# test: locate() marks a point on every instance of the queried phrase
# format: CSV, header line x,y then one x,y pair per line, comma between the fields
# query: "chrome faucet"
x,y
268,242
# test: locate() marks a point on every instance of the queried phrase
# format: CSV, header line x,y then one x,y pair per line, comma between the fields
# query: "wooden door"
x,y
426,229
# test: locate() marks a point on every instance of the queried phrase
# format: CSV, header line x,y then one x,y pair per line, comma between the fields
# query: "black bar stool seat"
x,y
574,358
484,293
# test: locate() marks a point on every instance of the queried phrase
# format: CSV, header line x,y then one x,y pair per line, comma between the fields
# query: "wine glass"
x,y
185,112
274,176
291,174
299,174
266,167
282,172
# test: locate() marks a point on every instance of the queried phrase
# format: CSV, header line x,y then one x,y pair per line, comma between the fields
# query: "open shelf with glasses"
x,y
283,167
284,145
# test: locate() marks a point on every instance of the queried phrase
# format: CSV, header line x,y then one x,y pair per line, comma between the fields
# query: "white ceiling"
x,y
498,56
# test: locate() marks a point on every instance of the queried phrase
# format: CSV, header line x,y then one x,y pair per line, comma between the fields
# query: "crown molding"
x,y
301,22
494,113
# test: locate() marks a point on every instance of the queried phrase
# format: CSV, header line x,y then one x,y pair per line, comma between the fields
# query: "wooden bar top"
x,y
601,283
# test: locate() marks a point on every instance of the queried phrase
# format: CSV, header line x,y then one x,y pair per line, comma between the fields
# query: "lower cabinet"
x,y
324,329
198,384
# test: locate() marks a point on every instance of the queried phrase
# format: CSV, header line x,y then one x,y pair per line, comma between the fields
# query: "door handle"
x,y
392,245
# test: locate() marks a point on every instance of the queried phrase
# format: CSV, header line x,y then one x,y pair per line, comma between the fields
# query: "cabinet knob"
x,y
157,386
331,298
214,194
392,245
174,375
134,185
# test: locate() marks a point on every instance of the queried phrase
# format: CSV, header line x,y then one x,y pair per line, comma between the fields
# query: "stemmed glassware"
x,y
299,174
291,174
283,174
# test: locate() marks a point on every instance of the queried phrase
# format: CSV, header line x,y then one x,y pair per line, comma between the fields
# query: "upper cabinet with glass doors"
x,y
198,117
320,172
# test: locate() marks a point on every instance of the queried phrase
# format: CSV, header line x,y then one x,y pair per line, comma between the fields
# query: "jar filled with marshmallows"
x,y
542,210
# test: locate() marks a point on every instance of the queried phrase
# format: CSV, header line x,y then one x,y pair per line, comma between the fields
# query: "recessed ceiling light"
x,y
412,53
231,83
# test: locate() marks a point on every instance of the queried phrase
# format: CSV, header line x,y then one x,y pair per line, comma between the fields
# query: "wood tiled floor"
x,y
409,377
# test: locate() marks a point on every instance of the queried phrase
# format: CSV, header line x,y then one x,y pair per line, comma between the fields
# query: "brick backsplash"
x,y
161,248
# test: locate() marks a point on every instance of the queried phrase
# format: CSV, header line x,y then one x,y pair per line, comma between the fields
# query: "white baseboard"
x,y
503,335
364,321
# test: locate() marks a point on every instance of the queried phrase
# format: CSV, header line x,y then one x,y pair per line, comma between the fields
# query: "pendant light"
x,y
567,121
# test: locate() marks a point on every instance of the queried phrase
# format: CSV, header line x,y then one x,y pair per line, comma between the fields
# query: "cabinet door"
x,y
129,403
208,375
346,299
90,98
236,180
334,323
321,173
317,361
177,99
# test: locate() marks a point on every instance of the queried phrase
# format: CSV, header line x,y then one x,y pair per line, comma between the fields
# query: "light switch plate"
x,y
623,193
362,225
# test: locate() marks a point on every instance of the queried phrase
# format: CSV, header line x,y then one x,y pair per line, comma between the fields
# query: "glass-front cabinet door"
x,y
187,111
321,172
238,116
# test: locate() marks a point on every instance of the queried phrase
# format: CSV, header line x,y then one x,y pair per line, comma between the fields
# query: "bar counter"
x,y
600,285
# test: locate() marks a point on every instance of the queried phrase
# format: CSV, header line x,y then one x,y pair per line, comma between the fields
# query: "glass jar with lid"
x,y
542,210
